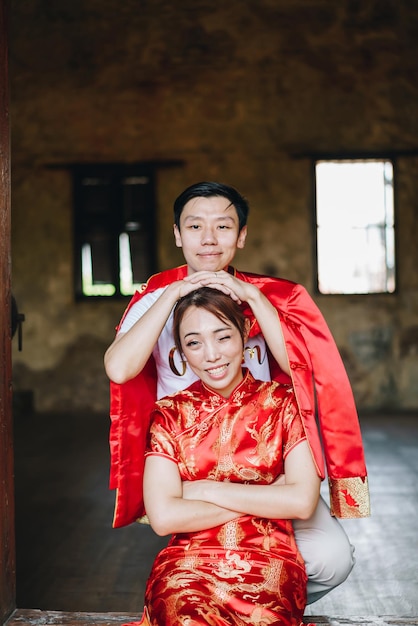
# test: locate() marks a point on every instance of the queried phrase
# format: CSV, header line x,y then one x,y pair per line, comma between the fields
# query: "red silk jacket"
x,y
321,387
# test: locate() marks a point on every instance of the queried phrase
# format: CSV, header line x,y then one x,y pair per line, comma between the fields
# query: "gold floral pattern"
x,y
249,570
349,497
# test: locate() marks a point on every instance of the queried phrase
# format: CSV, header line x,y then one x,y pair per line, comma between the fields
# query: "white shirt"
x,y
169,382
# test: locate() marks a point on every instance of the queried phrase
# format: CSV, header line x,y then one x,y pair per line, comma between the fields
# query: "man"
x,y
288,339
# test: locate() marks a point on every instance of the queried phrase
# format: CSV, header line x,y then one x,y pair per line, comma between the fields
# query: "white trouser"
x,y
326,550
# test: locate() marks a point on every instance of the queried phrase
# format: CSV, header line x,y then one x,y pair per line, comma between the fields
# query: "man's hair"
x,y
210,190
214,301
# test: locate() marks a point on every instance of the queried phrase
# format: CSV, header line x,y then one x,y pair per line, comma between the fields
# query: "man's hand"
x,y
263,310
237,289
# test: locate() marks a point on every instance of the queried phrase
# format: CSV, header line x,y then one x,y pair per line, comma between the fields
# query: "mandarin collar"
x,y
236,393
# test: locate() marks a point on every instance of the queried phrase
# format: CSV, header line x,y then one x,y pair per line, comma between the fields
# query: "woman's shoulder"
x,y
191,394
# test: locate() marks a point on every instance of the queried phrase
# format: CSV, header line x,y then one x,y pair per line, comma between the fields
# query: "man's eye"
x,y
224,227
194,226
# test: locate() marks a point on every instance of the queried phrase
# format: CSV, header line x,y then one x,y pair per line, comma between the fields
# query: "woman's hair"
x,y
214,301
210,190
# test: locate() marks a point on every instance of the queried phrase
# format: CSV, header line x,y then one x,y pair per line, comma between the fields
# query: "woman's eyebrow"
x,y
216,330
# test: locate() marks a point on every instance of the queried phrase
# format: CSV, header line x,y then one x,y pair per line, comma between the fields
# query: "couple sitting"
x,y
226,476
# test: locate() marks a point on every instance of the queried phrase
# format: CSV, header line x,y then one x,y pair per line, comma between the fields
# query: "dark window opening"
x,y
114,229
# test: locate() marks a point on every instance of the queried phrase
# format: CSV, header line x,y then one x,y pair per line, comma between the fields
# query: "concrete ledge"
x,y
34,617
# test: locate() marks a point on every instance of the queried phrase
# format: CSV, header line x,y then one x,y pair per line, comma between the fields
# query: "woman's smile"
x,y
213,348
217,372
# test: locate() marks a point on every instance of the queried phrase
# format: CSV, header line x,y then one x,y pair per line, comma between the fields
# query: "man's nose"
x,y
208,235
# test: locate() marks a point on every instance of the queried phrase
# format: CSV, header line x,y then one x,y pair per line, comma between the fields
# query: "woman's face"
x,y
213,348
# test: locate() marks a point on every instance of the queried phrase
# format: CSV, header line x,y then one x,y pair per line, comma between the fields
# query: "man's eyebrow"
x,y
199,217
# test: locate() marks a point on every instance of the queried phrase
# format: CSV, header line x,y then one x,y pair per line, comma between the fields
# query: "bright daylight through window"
x,y
355,226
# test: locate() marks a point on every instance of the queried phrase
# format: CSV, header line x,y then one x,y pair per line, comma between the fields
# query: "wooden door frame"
x,y
7,525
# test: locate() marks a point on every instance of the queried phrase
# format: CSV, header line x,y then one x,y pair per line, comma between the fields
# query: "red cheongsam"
x,y
249,570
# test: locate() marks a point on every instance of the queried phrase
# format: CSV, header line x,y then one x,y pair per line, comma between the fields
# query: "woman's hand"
x,y
280,480
202,489
293,496
197,489
168,510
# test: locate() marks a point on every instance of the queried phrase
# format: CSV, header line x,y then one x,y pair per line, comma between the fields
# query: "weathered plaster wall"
x,y
234,90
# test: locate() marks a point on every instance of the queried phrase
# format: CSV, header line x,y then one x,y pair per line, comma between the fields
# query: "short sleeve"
x,y
293,430
160,437
138,309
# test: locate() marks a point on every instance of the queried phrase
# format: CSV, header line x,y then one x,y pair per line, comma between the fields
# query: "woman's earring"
x,y
173,365
255,351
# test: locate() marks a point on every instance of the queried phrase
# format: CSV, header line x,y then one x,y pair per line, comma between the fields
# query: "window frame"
x,y
314,159
116,172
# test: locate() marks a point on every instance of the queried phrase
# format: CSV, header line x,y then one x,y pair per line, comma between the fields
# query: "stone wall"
x,y
234,90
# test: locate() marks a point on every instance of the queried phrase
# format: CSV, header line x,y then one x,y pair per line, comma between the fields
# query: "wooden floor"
x,y
69,559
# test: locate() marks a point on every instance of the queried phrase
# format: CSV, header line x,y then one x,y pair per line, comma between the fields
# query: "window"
x,y
114,229
355,235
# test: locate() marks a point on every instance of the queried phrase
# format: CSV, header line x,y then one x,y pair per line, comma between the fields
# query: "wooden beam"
x,y
7,532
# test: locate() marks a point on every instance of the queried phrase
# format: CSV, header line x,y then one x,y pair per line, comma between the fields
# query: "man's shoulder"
x,y
148,291
263,282
164,278
158,281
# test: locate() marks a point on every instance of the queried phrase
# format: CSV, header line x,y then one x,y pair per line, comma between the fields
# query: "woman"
x,y
214,460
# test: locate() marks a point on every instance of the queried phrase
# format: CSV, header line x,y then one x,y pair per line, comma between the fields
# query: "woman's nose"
x,y
211,352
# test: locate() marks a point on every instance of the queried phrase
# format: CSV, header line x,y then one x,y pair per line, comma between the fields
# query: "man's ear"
x,y
242,237
177,236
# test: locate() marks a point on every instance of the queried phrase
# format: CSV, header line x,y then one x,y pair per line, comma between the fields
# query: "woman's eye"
x,y
191,344
225,338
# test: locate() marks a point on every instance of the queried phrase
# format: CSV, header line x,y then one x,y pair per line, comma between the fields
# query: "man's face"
x,y
209,233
